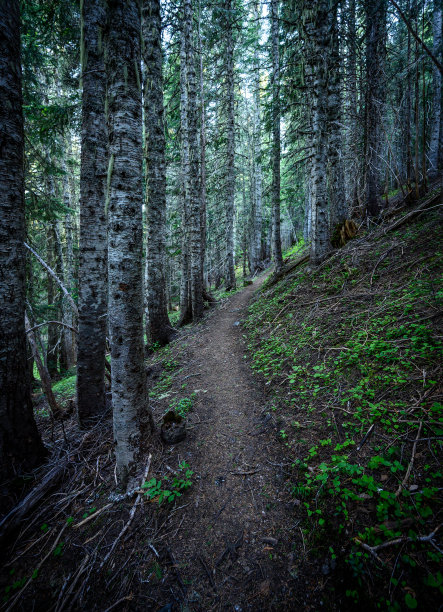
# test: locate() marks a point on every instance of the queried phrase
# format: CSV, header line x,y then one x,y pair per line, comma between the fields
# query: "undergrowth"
x,y
351,352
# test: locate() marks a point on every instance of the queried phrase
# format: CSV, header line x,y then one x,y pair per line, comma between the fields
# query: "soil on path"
x,y
233,546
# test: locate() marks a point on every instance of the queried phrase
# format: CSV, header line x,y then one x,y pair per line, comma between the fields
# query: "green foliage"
x,y
183,405
169,488
372,366
64,389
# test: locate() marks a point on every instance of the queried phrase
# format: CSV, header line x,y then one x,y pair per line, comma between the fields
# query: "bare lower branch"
x,y
416,36
55,277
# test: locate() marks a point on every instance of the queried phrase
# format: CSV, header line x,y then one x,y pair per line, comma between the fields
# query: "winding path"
x,y
233,543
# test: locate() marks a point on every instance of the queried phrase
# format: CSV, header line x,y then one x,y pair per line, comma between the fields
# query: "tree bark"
x,y
257,222
319,27
337,195
52,345
185,283
194,181
351,110
436,92
93,219
21,448
375,53
275,46
230,151
45,377
129,396
202,153
69,340
158,327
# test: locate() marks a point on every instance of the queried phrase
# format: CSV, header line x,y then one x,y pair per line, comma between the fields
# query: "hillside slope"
x,y
350,353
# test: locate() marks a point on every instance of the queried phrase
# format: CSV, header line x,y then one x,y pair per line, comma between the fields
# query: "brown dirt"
x,y
233,541
233,547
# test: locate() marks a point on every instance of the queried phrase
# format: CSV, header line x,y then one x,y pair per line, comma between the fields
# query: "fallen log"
x,y
15,516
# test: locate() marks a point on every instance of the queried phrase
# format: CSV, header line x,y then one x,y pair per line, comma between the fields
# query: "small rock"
x,y
237,323
269,540
413,487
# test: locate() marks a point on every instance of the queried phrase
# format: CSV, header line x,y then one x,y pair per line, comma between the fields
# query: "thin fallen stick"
x,y
131,514
63,602
207,572
244,473
114,605
370,430
411,463
91,516
53,547
402,540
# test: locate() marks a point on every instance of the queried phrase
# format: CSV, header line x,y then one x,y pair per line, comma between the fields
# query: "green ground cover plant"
x,y
352,351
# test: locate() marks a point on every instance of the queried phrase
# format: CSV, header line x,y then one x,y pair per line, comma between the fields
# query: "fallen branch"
x,y
20,593
15,516
91,516
414,213
131,514
411,463
244,473
114,605
279,275
366,437
208,572
401,540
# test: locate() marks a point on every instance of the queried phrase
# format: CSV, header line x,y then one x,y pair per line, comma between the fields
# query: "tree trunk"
x,y
194,182
375,52
337,196
350,160
230,151
52,348
185,284
158,327
129,396
319,202
436,92
257,222
202,153
21,448
276,135
93,222
42,370
69,341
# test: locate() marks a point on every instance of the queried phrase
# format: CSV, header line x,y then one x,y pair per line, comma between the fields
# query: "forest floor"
x,y
310,476
226,544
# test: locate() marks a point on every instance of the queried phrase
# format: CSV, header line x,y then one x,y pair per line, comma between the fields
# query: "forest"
x,y
220,304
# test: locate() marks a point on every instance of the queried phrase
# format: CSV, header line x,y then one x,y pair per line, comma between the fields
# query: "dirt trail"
x,y
234,540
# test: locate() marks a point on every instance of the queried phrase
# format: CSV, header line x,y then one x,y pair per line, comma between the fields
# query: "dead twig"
x,y
183,587
208,572
91,516
244,473
401,540
370,430
411,463
119,601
